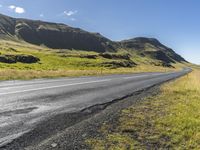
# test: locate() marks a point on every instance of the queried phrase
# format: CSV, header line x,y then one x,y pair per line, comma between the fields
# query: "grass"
x,y
170,120
62,63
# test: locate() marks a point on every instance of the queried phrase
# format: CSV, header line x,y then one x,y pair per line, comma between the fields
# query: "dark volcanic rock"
x,y
7,59
115,56
118,64
26,59
18,58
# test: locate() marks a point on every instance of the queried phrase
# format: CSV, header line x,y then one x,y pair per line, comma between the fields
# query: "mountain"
x,y
153,48
53,35
61,36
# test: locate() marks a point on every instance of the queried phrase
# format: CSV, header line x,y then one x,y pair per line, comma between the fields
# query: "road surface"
x,y
24,104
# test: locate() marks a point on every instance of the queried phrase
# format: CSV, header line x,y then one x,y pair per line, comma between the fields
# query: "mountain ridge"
x,y
61,36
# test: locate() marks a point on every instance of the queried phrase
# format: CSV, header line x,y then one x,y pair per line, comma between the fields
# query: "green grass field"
x,y
170,120
62,63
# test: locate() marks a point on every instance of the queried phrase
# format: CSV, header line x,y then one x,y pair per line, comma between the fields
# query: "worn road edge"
x,y
69,130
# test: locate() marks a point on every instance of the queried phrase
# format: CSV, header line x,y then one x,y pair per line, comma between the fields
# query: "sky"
x,y
175,23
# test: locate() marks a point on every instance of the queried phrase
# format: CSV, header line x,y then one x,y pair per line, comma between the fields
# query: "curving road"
x,y
23,104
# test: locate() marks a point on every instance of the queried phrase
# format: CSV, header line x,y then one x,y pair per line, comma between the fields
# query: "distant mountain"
x,y
61,36
153,48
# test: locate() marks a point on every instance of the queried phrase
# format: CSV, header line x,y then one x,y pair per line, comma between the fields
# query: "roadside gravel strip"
x,y
69,130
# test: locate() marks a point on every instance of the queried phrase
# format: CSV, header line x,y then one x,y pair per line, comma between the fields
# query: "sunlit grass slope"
x,y
170,120
60,63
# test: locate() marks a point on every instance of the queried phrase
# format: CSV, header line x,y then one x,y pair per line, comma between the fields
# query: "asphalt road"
x,y
23,104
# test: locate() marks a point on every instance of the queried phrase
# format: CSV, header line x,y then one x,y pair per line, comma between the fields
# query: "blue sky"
x,y
175,23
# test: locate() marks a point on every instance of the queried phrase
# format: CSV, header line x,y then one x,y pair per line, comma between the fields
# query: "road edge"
x,y
70,129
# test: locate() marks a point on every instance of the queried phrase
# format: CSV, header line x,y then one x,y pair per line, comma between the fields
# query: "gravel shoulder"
x,y
69,131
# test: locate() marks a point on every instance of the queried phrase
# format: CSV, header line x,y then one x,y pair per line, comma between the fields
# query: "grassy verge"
x,y
170,120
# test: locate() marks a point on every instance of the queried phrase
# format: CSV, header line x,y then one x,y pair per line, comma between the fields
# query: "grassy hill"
x,y
34,49
62,62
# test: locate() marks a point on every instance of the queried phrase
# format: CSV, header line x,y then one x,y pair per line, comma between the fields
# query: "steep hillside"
x,y
153,48
69,48
53,35
60,36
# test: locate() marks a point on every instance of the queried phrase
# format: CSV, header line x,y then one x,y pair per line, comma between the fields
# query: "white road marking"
x,y
22,85
35,82
142,76
15,83
134,77
52,87
58,86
